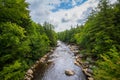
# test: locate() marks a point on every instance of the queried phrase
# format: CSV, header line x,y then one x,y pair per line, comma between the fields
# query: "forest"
x,y
99,38
22,41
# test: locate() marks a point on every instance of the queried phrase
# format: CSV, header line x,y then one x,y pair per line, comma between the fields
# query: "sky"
x,y
61,13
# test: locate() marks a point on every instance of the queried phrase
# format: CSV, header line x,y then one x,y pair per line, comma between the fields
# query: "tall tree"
x,y
49,30
14,11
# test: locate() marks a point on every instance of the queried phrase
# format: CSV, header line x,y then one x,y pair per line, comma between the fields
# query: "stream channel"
x,y
63,59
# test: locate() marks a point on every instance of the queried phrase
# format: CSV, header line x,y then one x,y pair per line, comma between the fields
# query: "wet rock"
x,y
37,62
69,72
76,63
86,64
42,60
45,56
49,62
86,73
75,51
79,56
79,61
52,50
27,78
34,66
30,75
76,57
90,78
29,71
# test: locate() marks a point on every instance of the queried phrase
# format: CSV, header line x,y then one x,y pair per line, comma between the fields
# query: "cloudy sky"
x,y
61,13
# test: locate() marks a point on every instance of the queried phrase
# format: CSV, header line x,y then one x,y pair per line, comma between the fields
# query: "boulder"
x,y
90,78
27,78
37,62
29,71
45,56
69,72
30,75
49,62
86,64
79,61
86,73
42,60
76,63
51,50
75,51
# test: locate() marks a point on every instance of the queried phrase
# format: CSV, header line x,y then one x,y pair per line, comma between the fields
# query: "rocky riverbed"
x,y
39,69
86,63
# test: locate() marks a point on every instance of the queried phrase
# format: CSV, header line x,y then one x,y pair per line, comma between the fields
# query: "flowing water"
x,y
63,59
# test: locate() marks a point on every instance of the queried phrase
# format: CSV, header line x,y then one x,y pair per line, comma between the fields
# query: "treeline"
x,y
68,36
100,38
22,41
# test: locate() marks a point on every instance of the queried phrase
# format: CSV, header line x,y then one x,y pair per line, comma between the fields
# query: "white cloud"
x,y
61,19
67,18
41,9
73,2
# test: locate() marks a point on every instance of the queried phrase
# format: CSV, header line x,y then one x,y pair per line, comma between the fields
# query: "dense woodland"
x,y
99,37
22,41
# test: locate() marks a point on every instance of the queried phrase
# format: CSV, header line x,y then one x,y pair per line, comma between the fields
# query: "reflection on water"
x,y
63,59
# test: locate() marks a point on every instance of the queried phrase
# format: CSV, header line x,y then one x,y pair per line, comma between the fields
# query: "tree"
x,y
48,28
12,48
14,11
39,42
22,41
108,67
100,39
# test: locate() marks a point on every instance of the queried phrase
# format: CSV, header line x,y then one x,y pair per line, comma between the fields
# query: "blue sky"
x,y
61,13
68,4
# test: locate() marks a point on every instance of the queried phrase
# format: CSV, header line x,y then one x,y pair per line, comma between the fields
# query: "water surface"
x,y
63,59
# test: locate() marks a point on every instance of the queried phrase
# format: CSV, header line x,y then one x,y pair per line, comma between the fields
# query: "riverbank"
x,y
37,71
83,61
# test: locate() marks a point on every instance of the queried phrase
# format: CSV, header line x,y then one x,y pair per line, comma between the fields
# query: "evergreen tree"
x,y
49,30
14,11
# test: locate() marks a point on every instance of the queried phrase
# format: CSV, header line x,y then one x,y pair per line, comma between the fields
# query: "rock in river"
x,y
69,72
29,71
76,63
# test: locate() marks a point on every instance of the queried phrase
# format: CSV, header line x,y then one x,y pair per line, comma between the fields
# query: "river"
x,y
63,59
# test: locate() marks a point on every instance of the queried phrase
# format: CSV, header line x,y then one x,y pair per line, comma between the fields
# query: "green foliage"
x,y
48,28
11,38
14,11
99,32
12,72
39,41
100,38
109,67
69,35
22,41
